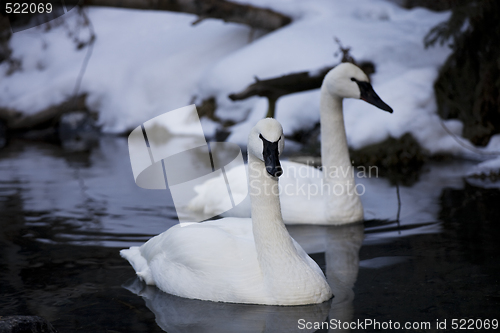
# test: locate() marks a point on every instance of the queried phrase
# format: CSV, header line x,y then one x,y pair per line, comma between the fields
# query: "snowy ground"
x,y
485,174
145,63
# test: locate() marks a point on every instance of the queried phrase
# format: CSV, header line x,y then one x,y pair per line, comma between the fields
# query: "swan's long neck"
x,y
287,276
334,150
268,226
338,172
272,241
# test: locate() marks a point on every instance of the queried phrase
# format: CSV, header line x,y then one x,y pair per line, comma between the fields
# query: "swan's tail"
x,y
139,263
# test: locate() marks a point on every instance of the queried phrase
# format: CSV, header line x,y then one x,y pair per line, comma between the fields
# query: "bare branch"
x,y
283,85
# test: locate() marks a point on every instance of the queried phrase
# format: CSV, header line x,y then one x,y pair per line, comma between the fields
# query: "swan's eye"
x,y
353,79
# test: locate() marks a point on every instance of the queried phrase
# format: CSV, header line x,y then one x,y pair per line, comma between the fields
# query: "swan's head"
x,y
266,142
349,81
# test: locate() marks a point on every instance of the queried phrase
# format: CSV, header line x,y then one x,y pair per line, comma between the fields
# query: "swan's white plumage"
x,y
232,259
307,195
294,206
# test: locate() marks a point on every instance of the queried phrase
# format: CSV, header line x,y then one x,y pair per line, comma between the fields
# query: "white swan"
x,y
309,196
341,245
237,260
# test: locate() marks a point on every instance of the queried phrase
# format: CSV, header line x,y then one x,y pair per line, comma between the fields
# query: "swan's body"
x,y
237,260
302,198
341,245
310,196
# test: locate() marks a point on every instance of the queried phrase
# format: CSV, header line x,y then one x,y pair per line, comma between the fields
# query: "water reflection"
x,y
177,314
419,202
90,196
340,245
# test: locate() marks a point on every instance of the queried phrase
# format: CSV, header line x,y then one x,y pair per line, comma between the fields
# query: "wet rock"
x,y
25,324
78,131
400,160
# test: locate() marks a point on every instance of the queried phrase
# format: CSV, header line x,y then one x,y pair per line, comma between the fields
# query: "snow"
x,y
145,63
485,174
486,167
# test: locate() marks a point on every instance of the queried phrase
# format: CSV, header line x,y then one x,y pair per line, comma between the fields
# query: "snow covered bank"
x,y
485,174
145,63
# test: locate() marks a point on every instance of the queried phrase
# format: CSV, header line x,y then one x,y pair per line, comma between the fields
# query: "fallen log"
x,y
15,120
275,88
252,16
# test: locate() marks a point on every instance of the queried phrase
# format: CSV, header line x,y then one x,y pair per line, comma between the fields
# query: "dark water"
x,y
64,216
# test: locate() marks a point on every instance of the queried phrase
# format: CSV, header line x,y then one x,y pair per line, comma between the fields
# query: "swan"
x,y
308,195
341,245
237,260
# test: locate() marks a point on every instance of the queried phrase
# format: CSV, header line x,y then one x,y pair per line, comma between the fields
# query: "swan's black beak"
x,y
271,157
369,95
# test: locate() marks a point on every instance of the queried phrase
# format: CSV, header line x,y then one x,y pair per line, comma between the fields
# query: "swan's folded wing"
x,y
206,260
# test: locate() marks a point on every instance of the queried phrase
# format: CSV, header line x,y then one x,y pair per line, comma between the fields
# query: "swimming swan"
x,y
308,195
237,260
